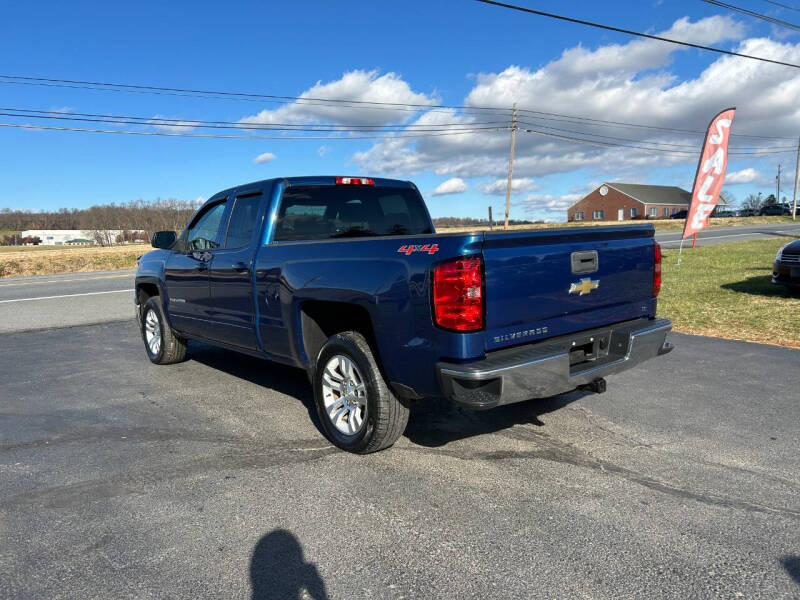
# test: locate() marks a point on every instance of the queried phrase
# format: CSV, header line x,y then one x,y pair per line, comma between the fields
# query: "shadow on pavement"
x,y
792,565
760,285
435,422
281,378
278,569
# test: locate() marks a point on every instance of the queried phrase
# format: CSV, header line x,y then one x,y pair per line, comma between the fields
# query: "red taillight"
x,y
656,269
458,294
354,181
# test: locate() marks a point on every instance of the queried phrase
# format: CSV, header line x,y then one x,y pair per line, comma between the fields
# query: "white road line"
x,y
66,296
64,280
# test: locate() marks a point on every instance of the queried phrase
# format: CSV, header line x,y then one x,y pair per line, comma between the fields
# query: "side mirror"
x,y
163,239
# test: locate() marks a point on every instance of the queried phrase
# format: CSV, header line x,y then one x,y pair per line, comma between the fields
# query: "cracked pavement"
x,y
210,478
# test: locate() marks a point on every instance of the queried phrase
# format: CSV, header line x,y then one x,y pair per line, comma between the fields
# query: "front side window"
x,y
632,212
325,212
578,216
242,221
653,211
599,214
665,212
203,233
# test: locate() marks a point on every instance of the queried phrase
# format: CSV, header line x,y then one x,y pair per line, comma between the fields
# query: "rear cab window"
x,y
330,212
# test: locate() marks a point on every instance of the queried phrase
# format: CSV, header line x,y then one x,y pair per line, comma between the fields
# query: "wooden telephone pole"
x,y
511,162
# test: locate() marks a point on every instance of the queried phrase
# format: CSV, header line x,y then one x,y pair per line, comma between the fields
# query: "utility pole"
x,y
511,162
796,175
778,180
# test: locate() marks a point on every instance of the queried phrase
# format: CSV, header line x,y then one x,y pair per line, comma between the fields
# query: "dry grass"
x,y
660,224
726,291
21,261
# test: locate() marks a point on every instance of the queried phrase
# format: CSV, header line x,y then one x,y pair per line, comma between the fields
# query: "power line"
x,y
156,121
782,5
683,153
249,96
635,33
754,14
649,145
648,141
226,136
606,123
254,95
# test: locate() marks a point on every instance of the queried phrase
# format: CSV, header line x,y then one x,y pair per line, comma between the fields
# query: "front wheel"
x,y
358,411
163,345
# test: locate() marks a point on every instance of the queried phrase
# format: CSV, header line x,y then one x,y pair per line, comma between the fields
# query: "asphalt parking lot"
x,y
209,479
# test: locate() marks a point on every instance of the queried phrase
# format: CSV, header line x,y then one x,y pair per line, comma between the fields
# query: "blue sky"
x,y
444,52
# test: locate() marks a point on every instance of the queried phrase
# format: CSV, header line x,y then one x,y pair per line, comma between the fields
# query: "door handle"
x,y
240,267
201,267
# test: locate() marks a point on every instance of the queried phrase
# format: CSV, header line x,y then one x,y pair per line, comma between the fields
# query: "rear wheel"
x,y
358,411
162,344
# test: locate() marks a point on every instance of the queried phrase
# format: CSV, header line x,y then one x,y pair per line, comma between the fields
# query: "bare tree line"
x,y
139,215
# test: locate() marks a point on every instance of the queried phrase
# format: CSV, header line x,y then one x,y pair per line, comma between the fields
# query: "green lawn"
x,y
725,291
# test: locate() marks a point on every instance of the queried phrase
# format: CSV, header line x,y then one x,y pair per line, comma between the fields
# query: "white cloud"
x,y
548,206
743,176
355,86
628,82
263,159
455,185
500,186
323,150
171,126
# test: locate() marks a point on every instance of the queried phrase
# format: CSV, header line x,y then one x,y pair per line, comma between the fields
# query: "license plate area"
x,y
588,350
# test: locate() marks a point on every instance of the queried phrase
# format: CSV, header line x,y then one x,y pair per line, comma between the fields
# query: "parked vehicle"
x,y
774,210
346,278
786,270
681,214
747,212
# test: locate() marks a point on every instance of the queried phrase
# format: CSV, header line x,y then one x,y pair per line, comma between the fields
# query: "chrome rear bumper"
x,y
553,366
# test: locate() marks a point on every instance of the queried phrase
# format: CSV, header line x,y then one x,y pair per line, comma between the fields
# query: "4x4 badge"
x,y
584,286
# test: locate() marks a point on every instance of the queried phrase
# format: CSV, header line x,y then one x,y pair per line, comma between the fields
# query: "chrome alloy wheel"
x,y
152,332
344,393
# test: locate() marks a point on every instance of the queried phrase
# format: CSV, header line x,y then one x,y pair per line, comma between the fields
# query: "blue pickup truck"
x,y
346,278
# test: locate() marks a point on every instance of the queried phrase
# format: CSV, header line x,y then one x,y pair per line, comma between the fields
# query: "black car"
x,y
787,266
774,209
681,214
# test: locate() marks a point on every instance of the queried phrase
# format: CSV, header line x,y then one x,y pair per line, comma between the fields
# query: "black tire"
x,y
172,347
386,417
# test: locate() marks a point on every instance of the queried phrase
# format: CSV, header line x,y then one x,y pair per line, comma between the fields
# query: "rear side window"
x,y
243,221
324,212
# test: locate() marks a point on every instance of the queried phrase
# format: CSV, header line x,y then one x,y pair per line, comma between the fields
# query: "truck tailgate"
x,y
529,276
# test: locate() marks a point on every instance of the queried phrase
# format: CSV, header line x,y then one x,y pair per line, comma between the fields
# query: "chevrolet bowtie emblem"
x,y
584,286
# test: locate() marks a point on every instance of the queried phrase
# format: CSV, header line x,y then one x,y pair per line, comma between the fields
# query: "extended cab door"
x,y
186,270
230,274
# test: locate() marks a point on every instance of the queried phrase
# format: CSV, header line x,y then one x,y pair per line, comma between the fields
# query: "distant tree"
x,y
770,200
728,198
751,202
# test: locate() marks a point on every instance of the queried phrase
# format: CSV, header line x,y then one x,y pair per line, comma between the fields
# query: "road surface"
x,y
744,233
211,479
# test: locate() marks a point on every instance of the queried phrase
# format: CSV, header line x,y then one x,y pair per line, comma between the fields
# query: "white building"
x,y
63,237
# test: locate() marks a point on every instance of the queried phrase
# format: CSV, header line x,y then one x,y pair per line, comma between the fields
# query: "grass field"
x,y
726,291
21,261
660,224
